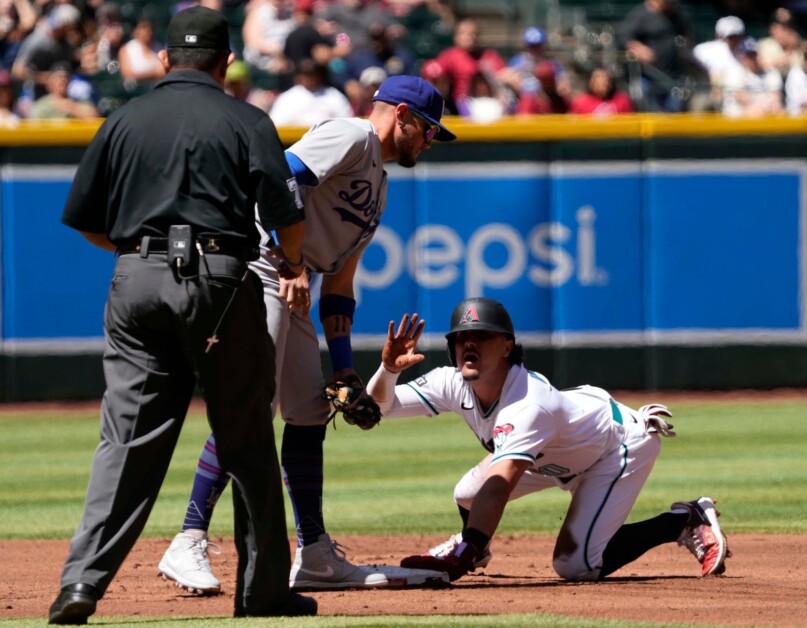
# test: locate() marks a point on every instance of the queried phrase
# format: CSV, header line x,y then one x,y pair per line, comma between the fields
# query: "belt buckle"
x,y
212,246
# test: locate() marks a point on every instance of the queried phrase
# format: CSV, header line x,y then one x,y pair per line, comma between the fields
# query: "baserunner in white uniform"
x,y
580,440
338,165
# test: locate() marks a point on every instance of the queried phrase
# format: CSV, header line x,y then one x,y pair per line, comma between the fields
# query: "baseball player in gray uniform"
x,y
580,440
338,165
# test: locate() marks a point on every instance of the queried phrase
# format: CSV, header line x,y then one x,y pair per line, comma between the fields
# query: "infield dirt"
x,y
764,583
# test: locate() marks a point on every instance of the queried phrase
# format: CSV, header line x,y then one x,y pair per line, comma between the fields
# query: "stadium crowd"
x,y
305,60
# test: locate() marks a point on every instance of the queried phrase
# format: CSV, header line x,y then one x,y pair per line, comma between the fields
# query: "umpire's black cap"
x,y
199,27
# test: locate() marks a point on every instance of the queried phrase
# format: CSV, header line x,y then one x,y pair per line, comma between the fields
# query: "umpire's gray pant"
x,y
157,327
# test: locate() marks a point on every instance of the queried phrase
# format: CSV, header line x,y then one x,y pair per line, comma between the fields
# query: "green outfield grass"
x,y
399,477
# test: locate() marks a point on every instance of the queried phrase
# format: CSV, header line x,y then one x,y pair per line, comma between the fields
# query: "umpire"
x,y
171,182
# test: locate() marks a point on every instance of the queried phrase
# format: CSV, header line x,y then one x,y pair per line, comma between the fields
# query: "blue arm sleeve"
x,y
300,171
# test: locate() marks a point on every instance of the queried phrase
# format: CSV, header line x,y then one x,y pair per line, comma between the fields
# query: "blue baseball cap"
x,y
421,96
748,46
534,36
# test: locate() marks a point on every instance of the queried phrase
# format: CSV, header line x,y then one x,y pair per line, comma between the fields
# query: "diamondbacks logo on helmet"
x,y
500,433
470,315
478,314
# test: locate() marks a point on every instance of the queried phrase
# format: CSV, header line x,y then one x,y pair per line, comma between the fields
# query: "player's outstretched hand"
x,y
399,349
452,565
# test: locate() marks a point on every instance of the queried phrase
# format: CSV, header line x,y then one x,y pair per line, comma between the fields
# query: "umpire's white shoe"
x,y
702,535
186,563
448,547
322,565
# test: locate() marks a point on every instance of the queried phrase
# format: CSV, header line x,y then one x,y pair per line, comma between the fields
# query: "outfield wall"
x,y
641,252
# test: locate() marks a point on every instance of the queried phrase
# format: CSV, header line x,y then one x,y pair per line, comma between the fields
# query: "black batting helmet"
x,y
479,313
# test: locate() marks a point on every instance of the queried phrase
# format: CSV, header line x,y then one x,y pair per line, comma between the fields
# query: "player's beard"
x,y
405,153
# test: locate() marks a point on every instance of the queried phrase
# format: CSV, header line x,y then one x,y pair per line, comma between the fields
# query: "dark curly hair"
x,y
517,354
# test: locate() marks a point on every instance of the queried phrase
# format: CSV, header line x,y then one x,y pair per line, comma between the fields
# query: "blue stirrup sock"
x,y
208,485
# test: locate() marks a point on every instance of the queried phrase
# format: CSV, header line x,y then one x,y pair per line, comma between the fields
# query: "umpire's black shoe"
x,y
295,605
74,604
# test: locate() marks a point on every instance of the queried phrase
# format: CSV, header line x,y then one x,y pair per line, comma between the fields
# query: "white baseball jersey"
x,y
563,433
580,440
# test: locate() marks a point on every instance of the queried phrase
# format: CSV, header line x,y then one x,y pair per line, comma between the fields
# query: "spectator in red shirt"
x,y
602,97
435,74
466,58
543,95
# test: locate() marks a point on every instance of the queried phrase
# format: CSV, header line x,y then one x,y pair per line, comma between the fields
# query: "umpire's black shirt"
x,y
185,153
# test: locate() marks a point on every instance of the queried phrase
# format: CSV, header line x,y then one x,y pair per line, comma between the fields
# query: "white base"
x,y
403,578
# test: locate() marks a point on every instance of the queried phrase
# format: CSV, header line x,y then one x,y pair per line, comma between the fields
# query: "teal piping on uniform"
x,y
617,415
492,408
527,457
535,375
426,401
602,505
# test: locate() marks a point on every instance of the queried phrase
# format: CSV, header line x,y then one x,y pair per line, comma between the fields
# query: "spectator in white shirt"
x,y
720,55
266,27
311,100
784,49
139,63
751,91
796,90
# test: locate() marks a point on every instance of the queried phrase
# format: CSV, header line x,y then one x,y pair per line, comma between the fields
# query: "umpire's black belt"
x,y
148,245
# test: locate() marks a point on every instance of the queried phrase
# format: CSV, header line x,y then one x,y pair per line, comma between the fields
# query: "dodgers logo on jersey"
x,y
500,433
361,200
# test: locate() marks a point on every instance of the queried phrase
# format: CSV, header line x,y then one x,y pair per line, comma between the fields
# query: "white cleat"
x,y
186,562
323,566
447,548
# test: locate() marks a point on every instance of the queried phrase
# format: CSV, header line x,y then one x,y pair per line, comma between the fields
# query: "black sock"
x,y
301,457
477,538
464,514
634,539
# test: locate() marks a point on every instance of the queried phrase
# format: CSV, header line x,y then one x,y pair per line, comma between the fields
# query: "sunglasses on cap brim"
x,y
431,129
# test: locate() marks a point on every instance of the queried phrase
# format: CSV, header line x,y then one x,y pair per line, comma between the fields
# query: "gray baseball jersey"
x,y
342,213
